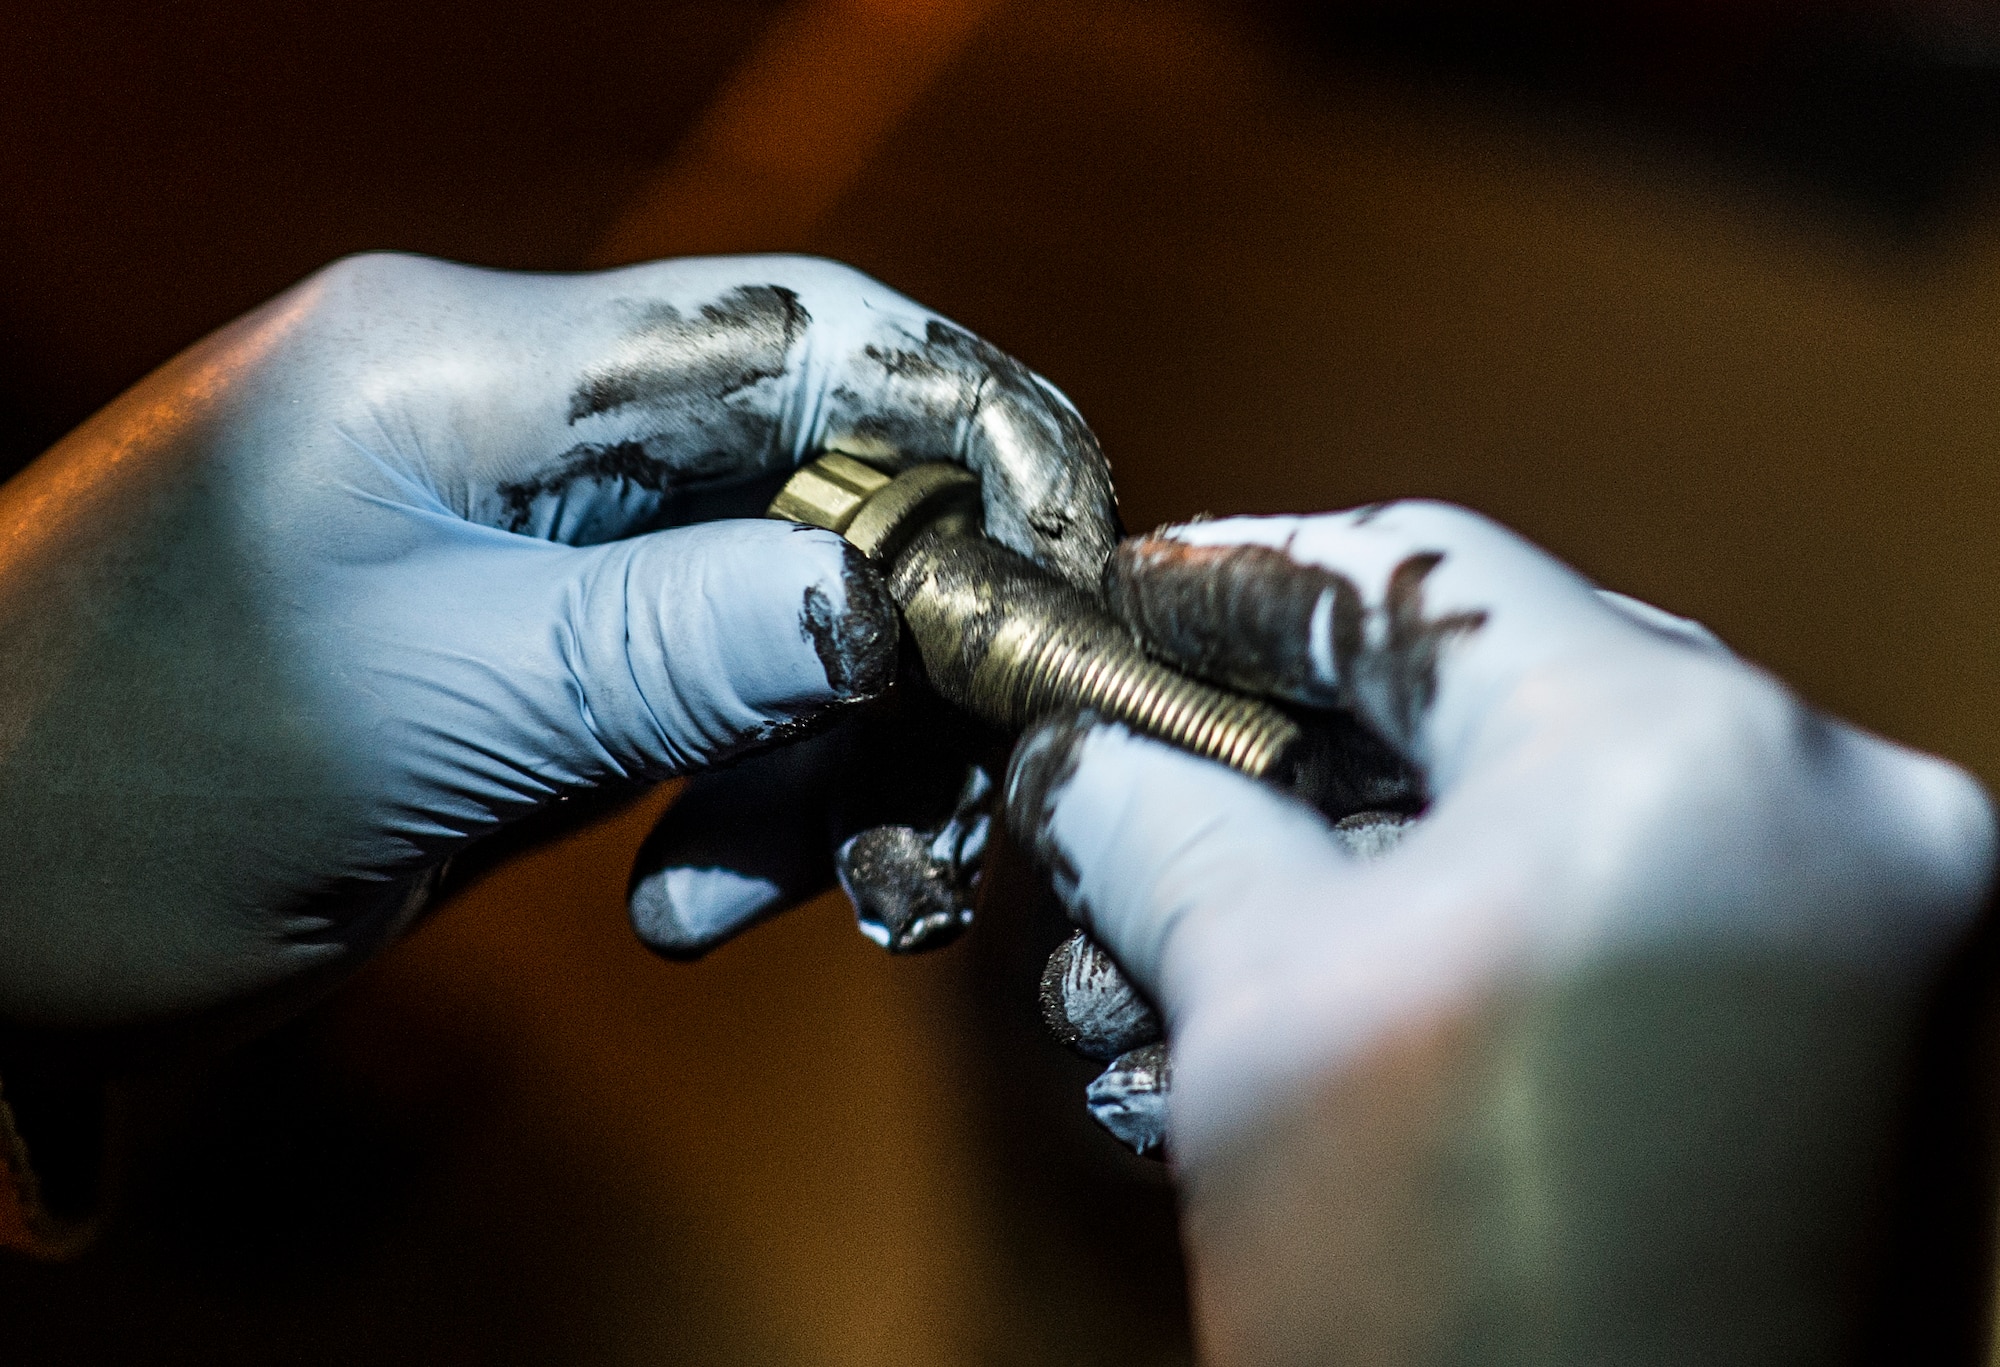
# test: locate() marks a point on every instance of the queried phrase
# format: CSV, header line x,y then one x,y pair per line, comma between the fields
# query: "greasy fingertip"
x,y
908,895
854,638
1244,615
700,644
1129,1099
1089,1005
683,912
922,388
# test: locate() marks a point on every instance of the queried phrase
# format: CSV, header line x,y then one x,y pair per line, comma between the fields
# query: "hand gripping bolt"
x,y
1005,639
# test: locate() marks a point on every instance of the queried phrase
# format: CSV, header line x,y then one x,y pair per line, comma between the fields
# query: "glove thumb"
x,y
528,671
691,646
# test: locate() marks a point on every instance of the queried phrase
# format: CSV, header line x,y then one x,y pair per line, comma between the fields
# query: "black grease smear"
x,y
1341,768
942,340
1242,615
770,734
856,645
727,346
1410,656
1051,524
951,396
913,886
683,373
597,462
1130,1099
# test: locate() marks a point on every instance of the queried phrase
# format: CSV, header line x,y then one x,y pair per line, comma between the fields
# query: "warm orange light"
x,y
799,120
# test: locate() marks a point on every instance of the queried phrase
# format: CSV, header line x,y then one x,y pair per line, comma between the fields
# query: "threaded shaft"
x,y
1037,667
1004,638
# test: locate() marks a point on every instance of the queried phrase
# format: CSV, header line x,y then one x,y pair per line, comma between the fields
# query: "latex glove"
x,y
404,556
1609,1059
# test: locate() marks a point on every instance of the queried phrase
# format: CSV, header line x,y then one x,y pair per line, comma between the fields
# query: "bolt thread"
x,y
1054,651
1035,668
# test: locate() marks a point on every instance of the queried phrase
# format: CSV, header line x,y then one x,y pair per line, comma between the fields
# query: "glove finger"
x,y
1090,1005
583,408
1129,1099
1419,618
911,817
1237,909
912,887
512,673
739,846
1143,841
885,802
696,645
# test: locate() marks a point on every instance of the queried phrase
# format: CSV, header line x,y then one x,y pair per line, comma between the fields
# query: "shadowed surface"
x,y
1272,284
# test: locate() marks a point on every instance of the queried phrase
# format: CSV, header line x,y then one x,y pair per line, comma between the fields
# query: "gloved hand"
x,y
410,553
1609,1058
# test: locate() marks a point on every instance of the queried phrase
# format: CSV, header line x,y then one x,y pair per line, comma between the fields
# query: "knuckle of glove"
x,y
923,388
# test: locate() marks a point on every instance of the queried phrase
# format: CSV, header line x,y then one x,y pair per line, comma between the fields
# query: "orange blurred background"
x,y
1705,298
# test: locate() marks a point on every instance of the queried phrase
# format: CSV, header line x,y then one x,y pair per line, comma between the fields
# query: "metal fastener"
x,y
1004,638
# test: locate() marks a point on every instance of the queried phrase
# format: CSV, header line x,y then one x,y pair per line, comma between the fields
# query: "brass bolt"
x,y
1004,638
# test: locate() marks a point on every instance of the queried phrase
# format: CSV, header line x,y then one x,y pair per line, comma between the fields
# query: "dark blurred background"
x,y
1703,296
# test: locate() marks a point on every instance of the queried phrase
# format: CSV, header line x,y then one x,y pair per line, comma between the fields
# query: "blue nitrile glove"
x,y
1611,1057
416,550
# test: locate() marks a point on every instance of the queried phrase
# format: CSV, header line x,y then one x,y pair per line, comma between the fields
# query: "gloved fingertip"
x,y
906,898
681,912
1089,1005
855,638
697,644
1129,1099
1246,615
